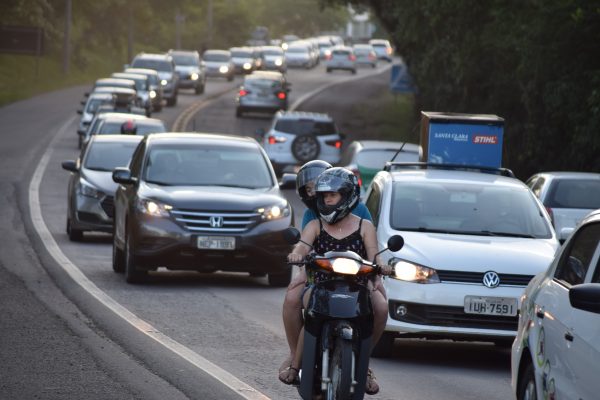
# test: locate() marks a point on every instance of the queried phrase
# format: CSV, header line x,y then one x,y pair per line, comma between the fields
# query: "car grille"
x,y
108,205
477,278
216,221
424,314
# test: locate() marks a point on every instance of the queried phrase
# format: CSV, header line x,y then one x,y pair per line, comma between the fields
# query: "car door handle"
x,y
569,336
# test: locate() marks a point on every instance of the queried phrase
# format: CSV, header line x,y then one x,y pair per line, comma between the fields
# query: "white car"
x,y
568,197
296,137
556,354
341,57
473,241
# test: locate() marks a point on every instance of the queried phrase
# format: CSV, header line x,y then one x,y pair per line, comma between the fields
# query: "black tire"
x,y
158,107
353,72
238,112
526,388
75,235
385,347
328,70
132,274
340,371
118,257
305,148
281,279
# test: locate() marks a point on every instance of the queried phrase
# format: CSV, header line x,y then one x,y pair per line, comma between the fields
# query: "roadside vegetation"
x,y
534,63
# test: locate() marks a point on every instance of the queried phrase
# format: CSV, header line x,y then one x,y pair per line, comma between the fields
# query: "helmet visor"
x,y
330,183
308,175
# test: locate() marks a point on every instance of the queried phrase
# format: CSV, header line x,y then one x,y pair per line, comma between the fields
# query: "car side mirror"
x,y
288,181
123,176
80,112
70,165
565,233
80,132
586,297
82,103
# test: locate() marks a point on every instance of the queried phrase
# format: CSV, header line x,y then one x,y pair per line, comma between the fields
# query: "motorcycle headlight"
x,y
411,272
345,266
86,189
153,207
274,212
223,69
194,76
163,82
152,94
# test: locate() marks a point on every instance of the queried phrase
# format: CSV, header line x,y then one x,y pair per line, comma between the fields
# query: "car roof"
x,y
383,144
303,115
128,75
115,81
455,176
215,51
197,137
118,115
379,41
154,56
116,138
141,71
115,90
100,95
190,52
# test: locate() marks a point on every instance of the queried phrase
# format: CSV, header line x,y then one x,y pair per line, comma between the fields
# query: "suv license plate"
x,y
506,306
216,242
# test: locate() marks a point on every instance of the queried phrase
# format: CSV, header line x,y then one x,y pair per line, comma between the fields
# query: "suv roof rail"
x,y
390,166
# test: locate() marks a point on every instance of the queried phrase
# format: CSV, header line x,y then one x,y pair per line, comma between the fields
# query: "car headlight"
x,y
223,69
153,207
278,62
411,272
247,65
163,82
152,94
194,76
86,189
274,212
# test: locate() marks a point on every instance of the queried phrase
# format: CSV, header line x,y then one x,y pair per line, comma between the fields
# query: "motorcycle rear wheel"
x,y
340,371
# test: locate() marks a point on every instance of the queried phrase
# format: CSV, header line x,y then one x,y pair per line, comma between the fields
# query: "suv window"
x,y
306,126
158,65
575,262
373,202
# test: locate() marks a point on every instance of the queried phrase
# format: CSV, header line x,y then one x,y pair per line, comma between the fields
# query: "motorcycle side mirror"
x,y
395,243
291,235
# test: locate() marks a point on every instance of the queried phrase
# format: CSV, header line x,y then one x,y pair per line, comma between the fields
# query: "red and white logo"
x,y
485,139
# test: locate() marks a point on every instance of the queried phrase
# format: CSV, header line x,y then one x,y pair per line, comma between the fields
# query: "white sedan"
x,y
556,354
473,241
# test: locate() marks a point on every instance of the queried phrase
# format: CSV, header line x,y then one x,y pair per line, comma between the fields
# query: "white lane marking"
x,y
308,95
241,388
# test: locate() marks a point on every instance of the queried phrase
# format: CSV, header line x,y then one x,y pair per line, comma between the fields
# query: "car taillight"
x,y
328,56
281,95
389,51
352,57
272,140
243,92
551,213
335,143
276,139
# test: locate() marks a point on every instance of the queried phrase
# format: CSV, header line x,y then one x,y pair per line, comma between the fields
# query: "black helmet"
x,y
309,172
128,127
342,181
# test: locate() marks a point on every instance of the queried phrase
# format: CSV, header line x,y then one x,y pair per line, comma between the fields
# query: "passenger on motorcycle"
x,y
337,194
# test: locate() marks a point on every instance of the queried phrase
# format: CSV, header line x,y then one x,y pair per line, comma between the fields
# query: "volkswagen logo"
x,y
216,221
491,279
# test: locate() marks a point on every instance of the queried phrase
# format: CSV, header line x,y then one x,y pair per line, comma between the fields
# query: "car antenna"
x,y
398,152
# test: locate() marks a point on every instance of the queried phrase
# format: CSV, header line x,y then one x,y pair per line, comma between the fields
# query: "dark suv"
x,y
164,65
202,202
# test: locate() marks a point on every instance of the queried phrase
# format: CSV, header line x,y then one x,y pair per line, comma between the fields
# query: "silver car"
x,y
568,197
190,69
91,188
299,54
341,57
262,91
219,64
365,55
274,58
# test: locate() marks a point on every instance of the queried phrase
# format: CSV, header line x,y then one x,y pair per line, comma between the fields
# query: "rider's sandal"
x,y
291,376
372,387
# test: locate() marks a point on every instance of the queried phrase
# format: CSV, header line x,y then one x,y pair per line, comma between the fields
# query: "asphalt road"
x,y
179,335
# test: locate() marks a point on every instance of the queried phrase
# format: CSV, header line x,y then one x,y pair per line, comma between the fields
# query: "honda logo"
x,y
216,221
491,279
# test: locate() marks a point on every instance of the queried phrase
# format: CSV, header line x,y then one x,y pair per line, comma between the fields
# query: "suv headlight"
x,y
153,207
86,189
411,272
223,69
163,82
274,212
194,76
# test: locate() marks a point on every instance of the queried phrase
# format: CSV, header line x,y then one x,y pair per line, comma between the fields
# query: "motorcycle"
x,y
338,324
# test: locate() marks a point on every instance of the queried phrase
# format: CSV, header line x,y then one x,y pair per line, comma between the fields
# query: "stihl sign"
x,y
485,139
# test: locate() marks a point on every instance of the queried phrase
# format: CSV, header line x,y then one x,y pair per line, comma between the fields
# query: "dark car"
x,y
262,91
91,188
202,202
164,65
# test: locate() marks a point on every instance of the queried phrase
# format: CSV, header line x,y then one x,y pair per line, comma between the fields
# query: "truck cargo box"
x,y
466,139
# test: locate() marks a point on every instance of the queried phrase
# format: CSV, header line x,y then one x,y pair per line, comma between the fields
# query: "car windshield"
x,y
376,158
142,128
184,59
574,193
273,52
218,57
469,209
93,104
241,54
202,165
104,156
298,50
157,65
306,126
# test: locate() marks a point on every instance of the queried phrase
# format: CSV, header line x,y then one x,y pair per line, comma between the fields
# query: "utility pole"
x,y
130,34
179,20
210,23
67,39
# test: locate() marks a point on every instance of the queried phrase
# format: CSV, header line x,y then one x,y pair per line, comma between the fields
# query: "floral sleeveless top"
x,y
324,242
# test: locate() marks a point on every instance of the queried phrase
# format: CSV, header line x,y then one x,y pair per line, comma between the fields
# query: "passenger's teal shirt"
x,y
360,211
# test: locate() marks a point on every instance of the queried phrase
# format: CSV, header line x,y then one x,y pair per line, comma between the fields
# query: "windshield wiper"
x,y
161,183
99,169
509,234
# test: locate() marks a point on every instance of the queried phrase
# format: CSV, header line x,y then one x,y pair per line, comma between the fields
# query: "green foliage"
x,y
533,62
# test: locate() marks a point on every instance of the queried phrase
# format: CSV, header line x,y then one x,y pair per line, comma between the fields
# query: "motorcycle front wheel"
x,y
340,371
